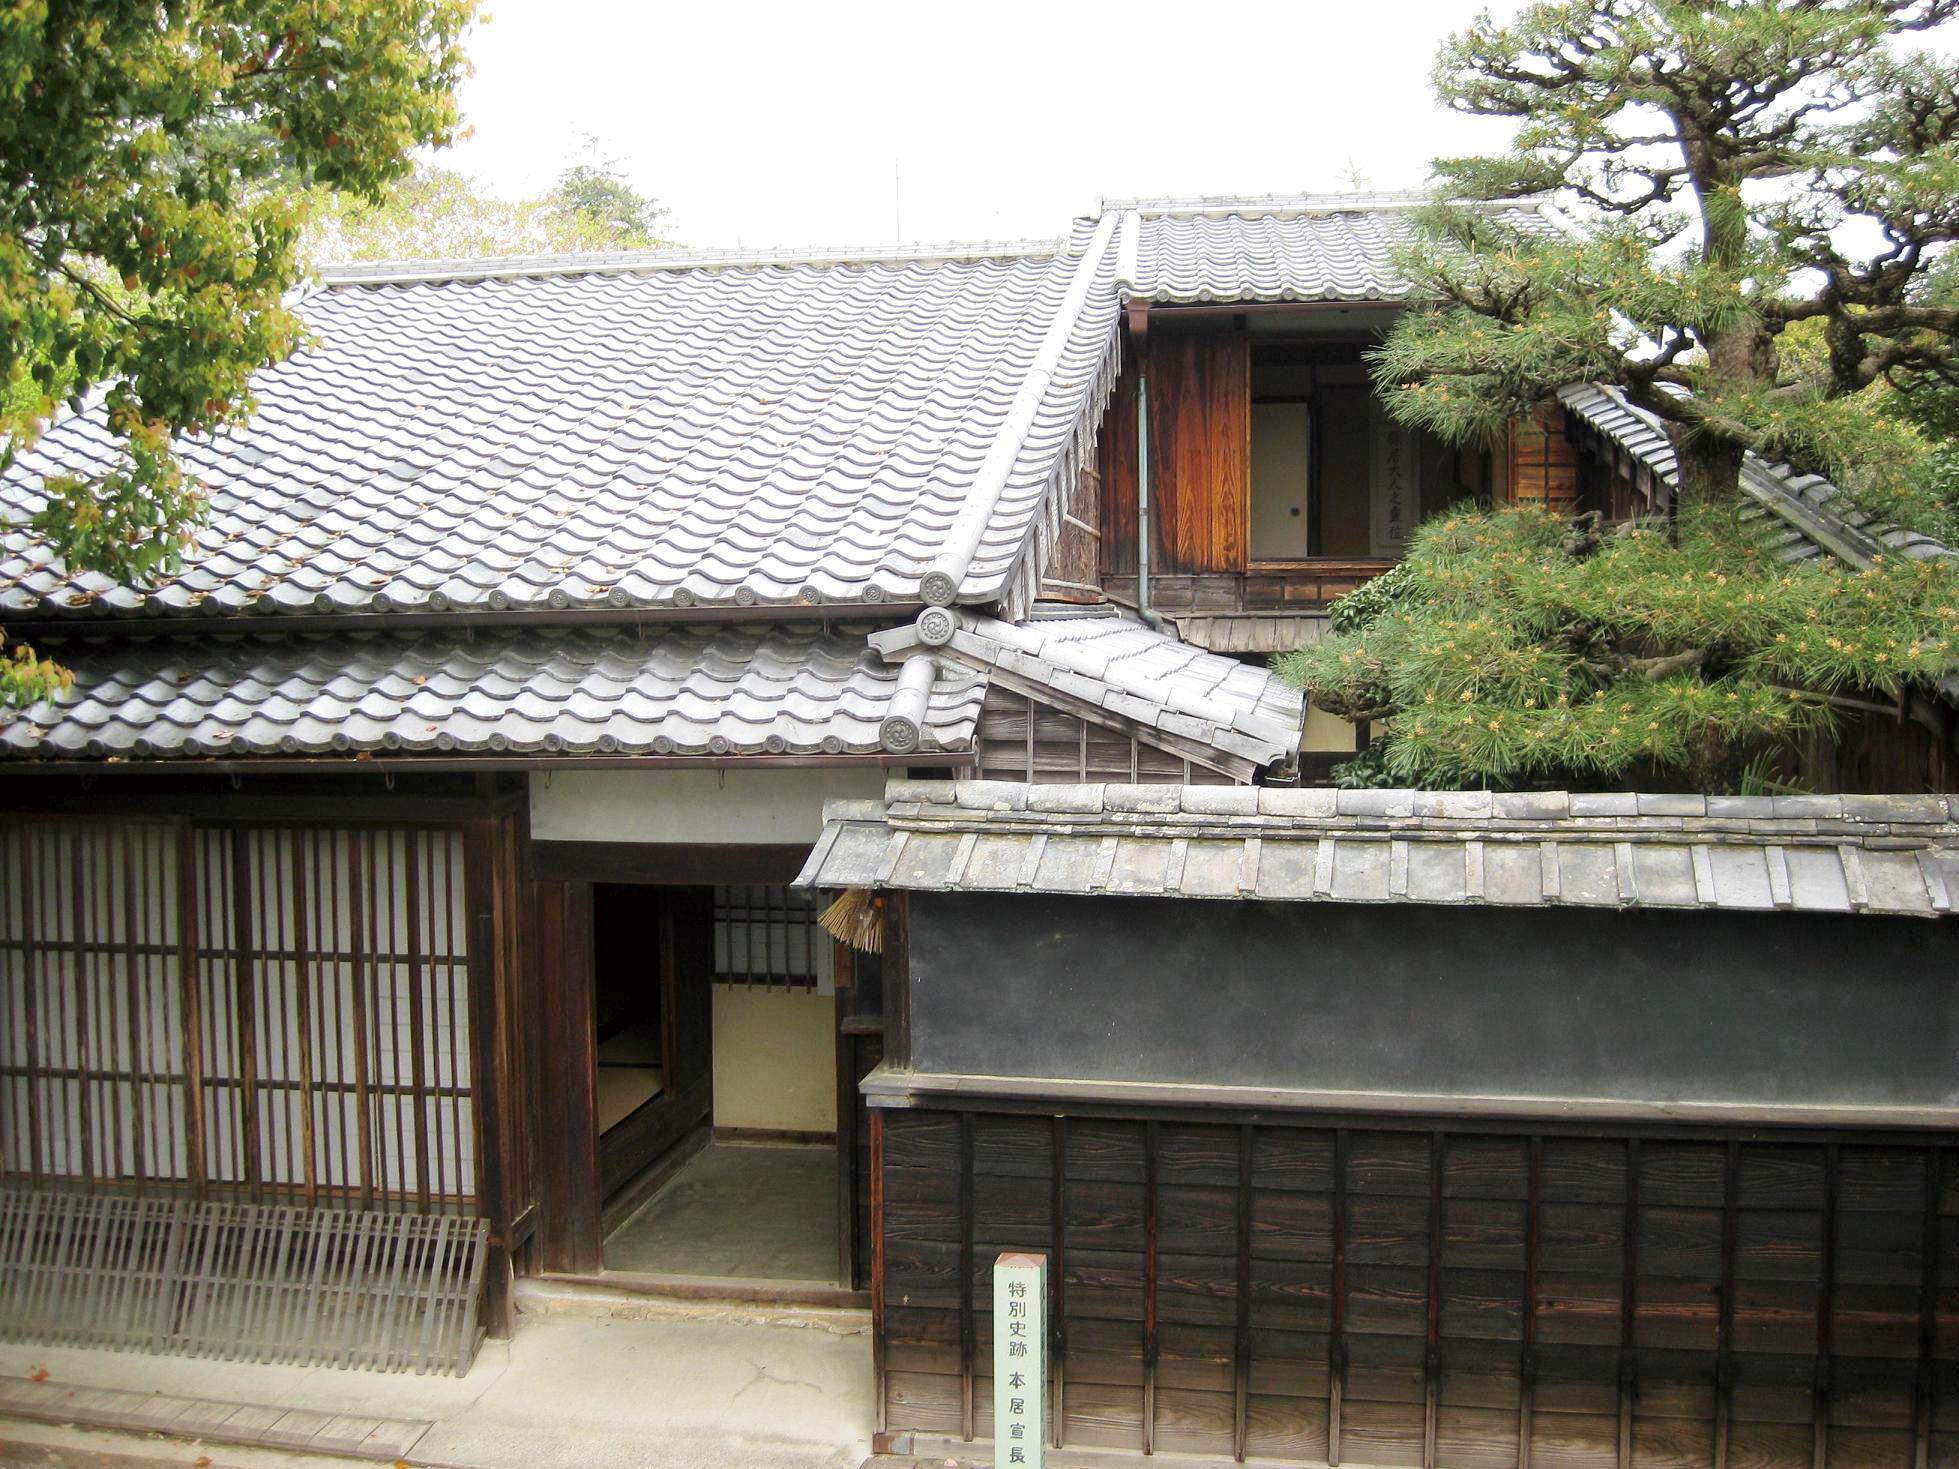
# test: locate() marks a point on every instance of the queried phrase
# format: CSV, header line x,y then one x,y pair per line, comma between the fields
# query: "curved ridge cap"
x,y
627,262
1307,204
943,582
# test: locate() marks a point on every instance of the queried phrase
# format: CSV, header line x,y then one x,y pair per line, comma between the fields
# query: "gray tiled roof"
x,y
1826,854
1815,518
1117,667
644,433
670,691
1336,247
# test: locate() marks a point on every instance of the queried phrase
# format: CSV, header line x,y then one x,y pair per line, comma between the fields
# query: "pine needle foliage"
x,y
1512,647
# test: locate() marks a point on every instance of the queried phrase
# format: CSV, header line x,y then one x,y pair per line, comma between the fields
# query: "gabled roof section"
x,y
1813,517
1307,247
1117,671
679,690
1540,849
646,431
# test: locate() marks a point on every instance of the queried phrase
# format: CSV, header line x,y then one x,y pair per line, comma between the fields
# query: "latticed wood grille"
x,y
276,1014
250,1282
766,934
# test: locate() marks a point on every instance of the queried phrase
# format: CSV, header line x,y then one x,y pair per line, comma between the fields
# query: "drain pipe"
x,y
1139,317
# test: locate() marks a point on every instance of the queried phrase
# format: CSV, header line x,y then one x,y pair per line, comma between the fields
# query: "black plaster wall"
x,y
1650,1006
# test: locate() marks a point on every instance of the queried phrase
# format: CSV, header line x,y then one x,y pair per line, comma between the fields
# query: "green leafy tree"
x,y
143,256
436,213
1758,196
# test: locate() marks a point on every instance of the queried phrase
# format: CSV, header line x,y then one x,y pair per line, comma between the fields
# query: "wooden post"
x,y
1149,1286
1826,1310
488,1067
1336,1342
572,1238
877,1266
1241,1345
968,1327
1527,1366
1628,1307
1019,1359
1058,1283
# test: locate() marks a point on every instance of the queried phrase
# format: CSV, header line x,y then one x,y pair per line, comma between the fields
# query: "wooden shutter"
x,y
1200,452
1543,462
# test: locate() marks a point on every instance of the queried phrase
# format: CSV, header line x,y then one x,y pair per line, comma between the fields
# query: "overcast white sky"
x,y
763,125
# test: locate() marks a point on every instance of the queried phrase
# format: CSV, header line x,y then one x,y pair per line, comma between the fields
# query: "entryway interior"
x,y
716,1047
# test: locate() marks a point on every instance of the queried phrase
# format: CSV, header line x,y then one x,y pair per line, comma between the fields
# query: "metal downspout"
x,y
1154,619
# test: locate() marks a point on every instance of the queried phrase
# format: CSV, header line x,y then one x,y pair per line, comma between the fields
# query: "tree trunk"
x,y
1710,470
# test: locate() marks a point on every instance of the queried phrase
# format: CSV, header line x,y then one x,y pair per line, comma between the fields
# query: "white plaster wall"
x,y
692,806
775,1059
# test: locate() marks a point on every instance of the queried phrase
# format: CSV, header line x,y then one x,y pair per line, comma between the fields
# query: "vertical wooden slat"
x,y
487,1065
188,988
1527,1363
1628,1307
417,1019
1241,1347
1432,1345
1724,1370
1925,1386
968,1331
303,875
82,980
1150,1145
135,1033
245,997
1337,1325
878,1330
1058,1280
359,932
1826,1307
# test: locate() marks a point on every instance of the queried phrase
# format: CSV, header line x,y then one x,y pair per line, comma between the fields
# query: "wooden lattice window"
x,y
278,1014
766,934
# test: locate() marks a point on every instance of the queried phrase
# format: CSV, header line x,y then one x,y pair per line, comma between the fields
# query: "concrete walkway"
x,y
591,1379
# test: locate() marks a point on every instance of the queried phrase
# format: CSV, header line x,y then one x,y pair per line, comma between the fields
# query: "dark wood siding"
x,y
1428,1293
1115,453
1543,462
1023,739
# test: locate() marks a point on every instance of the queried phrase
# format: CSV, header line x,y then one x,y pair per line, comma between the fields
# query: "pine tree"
x,y
1733,168
1759,195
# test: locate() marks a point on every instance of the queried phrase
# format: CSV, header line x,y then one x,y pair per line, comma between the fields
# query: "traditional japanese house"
x,y
407,884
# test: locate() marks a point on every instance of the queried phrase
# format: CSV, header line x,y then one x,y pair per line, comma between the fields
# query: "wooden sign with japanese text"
x,y
1020,1379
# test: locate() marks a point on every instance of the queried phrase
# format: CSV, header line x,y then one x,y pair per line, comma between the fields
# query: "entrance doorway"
x,y
715,1044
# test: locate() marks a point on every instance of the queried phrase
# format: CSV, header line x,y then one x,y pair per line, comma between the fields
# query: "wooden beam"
x,y
570,1227
682,864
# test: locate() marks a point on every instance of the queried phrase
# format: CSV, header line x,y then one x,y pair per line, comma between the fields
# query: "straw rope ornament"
x,y
856,919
